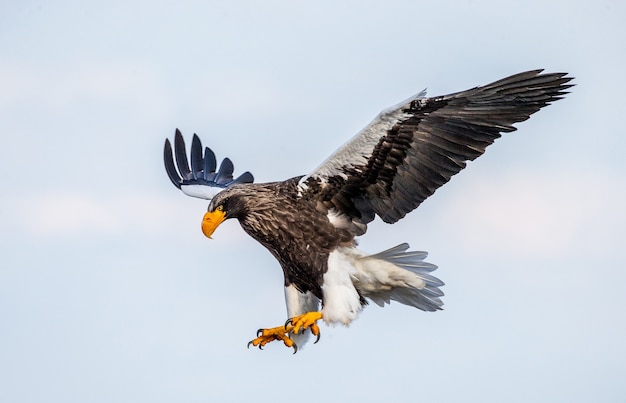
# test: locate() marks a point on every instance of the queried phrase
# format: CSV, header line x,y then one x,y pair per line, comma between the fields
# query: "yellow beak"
x,y
211,221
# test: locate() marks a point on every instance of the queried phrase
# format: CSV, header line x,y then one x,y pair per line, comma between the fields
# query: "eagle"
x,y
310,223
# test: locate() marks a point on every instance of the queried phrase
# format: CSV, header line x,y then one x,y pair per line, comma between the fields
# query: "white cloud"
x,y
140,214
523,214
59,88
236,94
76,214
62,214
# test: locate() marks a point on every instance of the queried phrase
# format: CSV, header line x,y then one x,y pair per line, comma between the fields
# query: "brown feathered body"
x,y
296,230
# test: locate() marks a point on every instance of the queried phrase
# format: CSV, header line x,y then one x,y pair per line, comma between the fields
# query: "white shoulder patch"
x,y
359,148
343,221
338,219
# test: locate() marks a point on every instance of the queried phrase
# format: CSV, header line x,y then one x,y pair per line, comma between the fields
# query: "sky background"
x,y
109,292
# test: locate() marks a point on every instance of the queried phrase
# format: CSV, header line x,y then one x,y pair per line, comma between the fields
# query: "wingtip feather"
x,y
168,159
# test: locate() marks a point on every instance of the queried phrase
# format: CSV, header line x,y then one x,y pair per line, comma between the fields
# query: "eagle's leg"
x,y
295,325
265,336
306,321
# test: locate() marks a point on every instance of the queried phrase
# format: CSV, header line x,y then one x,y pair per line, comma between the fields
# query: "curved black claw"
x,y
252,342
259,332
290,321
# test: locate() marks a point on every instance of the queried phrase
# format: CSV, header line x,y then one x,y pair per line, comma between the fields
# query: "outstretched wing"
x,y
410,150
201,179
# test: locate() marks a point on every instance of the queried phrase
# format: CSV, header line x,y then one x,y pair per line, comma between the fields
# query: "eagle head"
x,y
228,203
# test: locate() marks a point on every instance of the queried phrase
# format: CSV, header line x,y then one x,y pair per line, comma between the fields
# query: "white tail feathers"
x,y
395,274
399,275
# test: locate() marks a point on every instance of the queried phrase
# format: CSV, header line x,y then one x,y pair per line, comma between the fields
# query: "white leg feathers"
x,y
342,302
299,303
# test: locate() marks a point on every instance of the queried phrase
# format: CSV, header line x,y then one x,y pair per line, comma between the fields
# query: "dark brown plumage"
x,y
272,214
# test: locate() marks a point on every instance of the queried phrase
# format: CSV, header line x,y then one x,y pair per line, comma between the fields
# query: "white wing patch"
x,y
359,148
201,191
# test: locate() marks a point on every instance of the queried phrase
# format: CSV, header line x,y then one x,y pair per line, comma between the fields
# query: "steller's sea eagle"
x,y
309,223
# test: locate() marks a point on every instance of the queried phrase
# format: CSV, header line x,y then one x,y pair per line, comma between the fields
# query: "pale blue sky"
x,y
109,292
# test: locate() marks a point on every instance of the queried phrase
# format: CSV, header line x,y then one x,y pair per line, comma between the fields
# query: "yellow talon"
x,y
294,325
265,336
305,321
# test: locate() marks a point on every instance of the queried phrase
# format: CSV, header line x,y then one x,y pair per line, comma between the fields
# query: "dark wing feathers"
x,y
200,180
210,163
413,149
225,173
197,161
181,157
